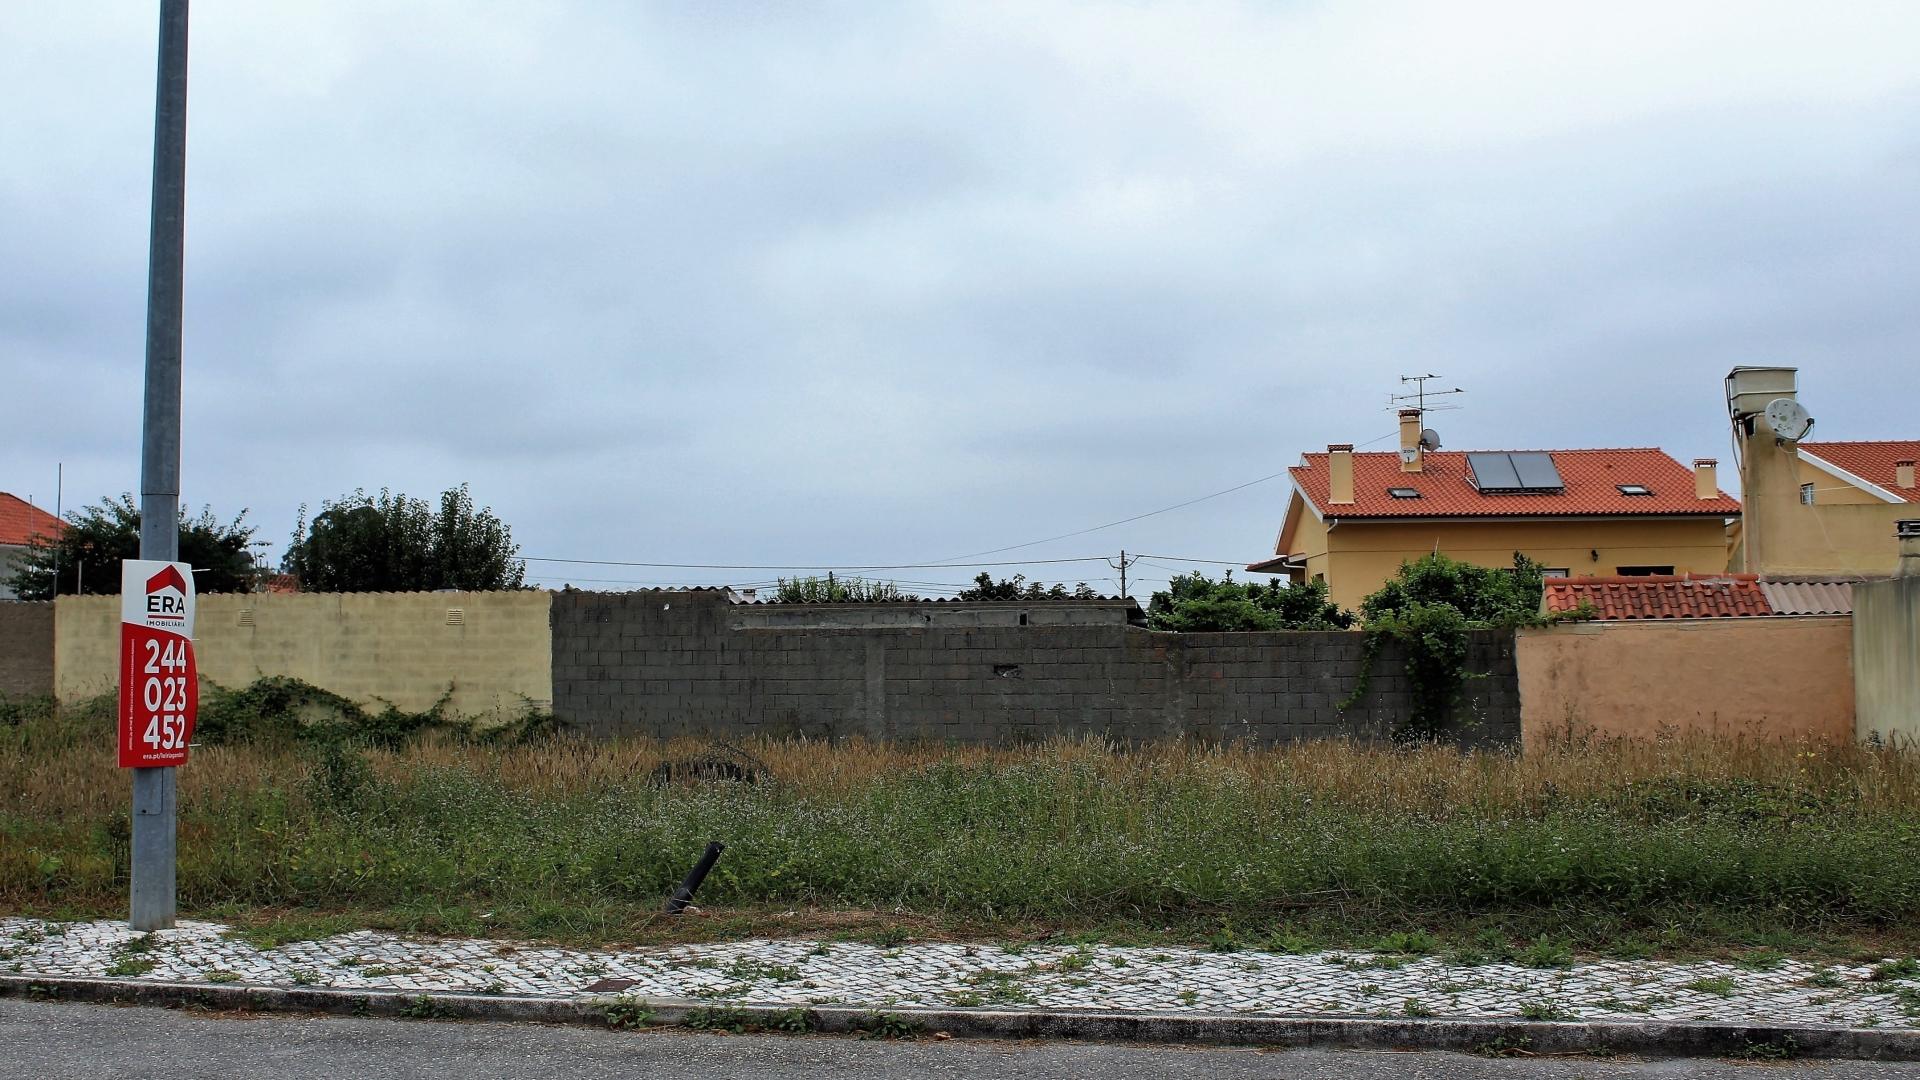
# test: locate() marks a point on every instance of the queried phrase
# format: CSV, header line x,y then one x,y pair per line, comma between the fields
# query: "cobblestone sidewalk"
x,y
1169,980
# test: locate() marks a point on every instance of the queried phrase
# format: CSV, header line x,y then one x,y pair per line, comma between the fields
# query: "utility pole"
x,y
152,900
1122,567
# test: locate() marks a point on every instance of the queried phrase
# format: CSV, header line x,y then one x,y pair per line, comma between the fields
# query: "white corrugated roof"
x,y
1808,596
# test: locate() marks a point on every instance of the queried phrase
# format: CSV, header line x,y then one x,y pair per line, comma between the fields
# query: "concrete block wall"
x,y
26,649
693,664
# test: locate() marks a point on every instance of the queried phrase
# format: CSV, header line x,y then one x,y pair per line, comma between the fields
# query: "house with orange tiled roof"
x,y
1813,507
20,523
1354,517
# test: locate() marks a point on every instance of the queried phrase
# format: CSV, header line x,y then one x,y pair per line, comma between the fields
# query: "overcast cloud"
x,y
890,283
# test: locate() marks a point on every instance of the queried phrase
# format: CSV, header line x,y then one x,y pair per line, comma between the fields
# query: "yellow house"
x,y
1813,507
1354,518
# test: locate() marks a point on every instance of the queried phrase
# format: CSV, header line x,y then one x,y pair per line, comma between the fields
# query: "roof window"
x,y
1634,489
1403,493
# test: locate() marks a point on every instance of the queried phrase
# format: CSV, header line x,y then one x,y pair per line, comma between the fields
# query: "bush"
x,y
1192,602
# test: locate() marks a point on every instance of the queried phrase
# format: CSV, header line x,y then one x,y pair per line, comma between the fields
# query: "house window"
x,y
1642,571
1806,494
1555,571
1634,489
1320,579
1403,493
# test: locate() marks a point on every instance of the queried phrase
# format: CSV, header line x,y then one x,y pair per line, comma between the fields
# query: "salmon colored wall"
x,y
1758,677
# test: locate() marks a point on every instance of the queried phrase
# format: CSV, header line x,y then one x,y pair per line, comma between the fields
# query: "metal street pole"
x,y
152,900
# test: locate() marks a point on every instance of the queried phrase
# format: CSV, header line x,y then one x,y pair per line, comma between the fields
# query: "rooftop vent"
x,y
1530,472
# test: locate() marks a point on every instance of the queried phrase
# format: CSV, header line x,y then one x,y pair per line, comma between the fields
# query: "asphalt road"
x,y
56,1041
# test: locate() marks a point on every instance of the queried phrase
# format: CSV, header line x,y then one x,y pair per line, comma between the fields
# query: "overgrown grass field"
x,y
1621,849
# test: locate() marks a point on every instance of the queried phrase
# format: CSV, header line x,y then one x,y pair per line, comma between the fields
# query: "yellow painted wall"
x,y
1363,555
1788,678
400,647
1781,536
1830,490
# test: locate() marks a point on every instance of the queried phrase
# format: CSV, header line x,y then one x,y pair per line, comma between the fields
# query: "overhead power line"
x,y
808,566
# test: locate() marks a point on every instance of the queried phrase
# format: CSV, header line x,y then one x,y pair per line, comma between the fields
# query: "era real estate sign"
x,y
159,687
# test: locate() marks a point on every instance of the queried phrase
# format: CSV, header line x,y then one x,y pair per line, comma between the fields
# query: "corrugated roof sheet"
x,y
21,521
1591,478
1808,597
1692,596
1873,462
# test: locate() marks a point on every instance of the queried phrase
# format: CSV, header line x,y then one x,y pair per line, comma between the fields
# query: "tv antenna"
x,y
1418,399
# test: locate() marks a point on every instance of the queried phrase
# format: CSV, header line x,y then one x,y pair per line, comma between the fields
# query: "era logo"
x,y
167,594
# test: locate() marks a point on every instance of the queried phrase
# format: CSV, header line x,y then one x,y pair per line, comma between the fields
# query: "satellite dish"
x,y
1429,439
1788,419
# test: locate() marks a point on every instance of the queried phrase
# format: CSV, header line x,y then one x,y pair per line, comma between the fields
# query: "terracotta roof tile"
x,y
1870,461
1690,596
1591,478
21,521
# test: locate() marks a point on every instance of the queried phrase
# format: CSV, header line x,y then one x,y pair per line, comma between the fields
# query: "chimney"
x,y
1903,474
1410,451
1706,482
1340,474
1909,533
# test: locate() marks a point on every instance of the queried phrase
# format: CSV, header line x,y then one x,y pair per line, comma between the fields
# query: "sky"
x,y
888,284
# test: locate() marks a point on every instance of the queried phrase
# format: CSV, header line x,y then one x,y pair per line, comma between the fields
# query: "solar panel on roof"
x,y
1537,471
1493,472
1530,471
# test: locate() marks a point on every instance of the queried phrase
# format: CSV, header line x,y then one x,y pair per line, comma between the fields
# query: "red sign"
x,y
159,685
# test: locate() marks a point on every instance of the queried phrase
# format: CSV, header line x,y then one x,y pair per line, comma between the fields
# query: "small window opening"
x,y
1806,494
1634,489
1403,493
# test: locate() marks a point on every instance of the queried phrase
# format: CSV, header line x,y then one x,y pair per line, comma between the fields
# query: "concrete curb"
x,y
1645,1038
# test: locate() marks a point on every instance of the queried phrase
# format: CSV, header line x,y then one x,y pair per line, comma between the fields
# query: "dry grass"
x,y
1673,845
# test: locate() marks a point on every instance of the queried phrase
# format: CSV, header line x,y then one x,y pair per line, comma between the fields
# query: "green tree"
x,y
96,539
1019,588
392,543
1193,602
1428,607
1484,596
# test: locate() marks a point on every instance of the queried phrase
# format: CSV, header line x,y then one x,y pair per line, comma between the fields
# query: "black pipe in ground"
x,y
683,895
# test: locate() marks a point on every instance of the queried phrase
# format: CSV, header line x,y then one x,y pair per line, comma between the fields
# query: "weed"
x,y
495,987
1188,997
1718,986
627,1012
381,970
1762,960
1545,952
1824,978
1908,998
889,937
1408,942
886,1025
222,977
1505,1046
746,969
796,1021
1904,968
1780,1049
127,966
1416,1008
426,1007
1545,1010
720,1018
